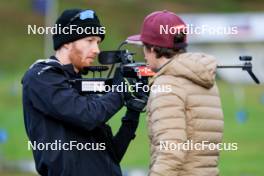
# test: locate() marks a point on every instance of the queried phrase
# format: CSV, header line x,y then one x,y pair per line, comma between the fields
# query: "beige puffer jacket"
x,y
190,113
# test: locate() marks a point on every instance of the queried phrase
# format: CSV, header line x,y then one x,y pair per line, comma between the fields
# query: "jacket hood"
x,y
197,67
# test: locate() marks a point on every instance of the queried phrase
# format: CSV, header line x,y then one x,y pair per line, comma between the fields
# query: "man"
x,y
72,126
191,111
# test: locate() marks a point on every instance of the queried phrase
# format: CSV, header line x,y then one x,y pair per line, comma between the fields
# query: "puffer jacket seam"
x,y
186,131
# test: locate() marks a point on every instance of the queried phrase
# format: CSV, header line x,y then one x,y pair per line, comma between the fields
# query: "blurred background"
x,y
242,99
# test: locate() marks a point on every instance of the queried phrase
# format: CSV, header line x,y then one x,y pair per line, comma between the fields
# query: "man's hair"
x,y
168,52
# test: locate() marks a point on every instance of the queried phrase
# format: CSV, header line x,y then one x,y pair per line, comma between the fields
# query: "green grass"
x,y
249,158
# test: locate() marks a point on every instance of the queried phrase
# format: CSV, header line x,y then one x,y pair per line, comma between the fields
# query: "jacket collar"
x,y
160,71
68,68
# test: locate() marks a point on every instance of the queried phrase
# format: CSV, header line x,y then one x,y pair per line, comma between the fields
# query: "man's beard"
x,y
76,58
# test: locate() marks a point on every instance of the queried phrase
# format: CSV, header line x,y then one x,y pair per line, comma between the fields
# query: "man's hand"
x,y
136,100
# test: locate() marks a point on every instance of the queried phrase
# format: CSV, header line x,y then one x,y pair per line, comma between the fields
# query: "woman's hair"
x,y
179,47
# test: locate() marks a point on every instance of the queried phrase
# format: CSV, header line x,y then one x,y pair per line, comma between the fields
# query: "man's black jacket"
x,y
56,112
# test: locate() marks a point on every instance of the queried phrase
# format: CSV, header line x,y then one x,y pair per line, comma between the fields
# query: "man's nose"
x,y
96,49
